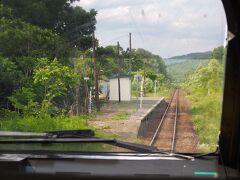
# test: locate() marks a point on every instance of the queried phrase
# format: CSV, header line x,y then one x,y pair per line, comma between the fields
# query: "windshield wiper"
x,y
72,136
178,155
78,136
51,134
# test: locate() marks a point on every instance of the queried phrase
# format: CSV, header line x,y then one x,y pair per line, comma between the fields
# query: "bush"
x,y
204,90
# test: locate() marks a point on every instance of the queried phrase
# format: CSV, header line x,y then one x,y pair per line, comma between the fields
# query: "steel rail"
x,y
161,121
175,124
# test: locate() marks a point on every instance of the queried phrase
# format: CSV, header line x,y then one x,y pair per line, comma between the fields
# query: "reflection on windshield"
x,y
147,72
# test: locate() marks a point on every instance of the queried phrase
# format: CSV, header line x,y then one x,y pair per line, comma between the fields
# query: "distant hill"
x,y
178,70
198,55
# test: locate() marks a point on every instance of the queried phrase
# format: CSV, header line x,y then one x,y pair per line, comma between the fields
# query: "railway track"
x,y
164,137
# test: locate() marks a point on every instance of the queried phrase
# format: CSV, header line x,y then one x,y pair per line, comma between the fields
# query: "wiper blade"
x,y
21,134
84,133
70,136
126,145
51,134
56,140
79,136
136,147
179,155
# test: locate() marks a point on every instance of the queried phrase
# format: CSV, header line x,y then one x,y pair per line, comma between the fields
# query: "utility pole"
x,y
137,79
86,93
77,92
130,42
158,86
144,78
119,67
155,88
90,102
130,52
95,72
141,95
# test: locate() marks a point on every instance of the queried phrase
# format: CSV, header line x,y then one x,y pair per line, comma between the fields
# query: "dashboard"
x,y
112,165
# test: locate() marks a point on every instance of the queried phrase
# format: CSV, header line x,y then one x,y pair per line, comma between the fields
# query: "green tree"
x,y
21,44
144,59
73,23
55,79
107,60
24,99
10,80
77,26
5,12
44,13
18,38
206,79
218,54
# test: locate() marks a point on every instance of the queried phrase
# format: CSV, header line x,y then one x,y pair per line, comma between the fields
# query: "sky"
x,y
163,27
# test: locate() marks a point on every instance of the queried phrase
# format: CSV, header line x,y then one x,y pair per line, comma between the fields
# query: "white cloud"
x,y
165,27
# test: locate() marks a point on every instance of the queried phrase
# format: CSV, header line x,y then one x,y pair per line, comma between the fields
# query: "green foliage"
x,y
54,77
148,83
77,26
83,67
207,80
5,12
44,123
143,59
18,38
120,116
9,73
10,79
179,70
163,82
72,23
107,60
179,67
143,62
204,90
25,99
218,54
42,13
41,66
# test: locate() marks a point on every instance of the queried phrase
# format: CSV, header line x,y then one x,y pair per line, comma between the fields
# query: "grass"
x,y
121,116
163,91
205,111
118,116
44,123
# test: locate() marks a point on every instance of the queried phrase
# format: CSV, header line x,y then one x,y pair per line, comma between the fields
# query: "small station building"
x,y
125,88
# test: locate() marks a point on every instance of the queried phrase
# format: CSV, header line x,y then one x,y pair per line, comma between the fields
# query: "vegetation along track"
x,y
175,132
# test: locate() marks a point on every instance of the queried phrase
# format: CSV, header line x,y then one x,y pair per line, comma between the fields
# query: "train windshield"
x,y
111,76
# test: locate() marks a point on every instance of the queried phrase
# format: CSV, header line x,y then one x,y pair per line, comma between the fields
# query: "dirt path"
x,y
187,139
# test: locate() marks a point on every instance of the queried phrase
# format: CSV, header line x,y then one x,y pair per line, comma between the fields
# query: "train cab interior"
x,y
222,164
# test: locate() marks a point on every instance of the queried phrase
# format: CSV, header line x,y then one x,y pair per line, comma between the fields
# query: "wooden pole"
x,y
119,64
95,72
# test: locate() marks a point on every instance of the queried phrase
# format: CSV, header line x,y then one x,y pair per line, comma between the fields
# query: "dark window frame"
x,y
229,141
